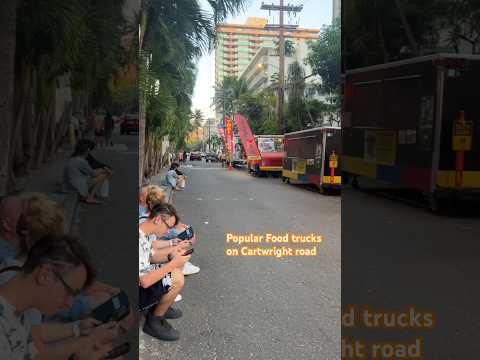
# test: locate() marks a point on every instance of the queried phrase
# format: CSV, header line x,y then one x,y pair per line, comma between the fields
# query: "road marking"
x,y
235,199
217,199
250,199
206,222
199,199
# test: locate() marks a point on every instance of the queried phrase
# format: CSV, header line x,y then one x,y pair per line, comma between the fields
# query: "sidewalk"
x,y
48,179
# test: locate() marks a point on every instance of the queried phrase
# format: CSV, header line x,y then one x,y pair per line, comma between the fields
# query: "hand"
x,y
128,322
92,352
87,325
105,333
179,261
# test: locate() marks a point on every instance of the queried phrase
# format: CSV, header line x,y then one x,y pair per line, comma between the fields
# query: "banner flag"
x,y
246,136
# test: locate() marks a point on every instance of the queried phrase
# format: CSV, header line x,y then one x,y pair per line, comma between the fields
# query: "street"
x,y
395,255
255,307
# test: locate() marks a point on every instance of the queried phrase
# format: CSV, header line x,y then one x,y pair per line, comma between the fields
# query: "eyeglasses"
x,y
72,292
166,224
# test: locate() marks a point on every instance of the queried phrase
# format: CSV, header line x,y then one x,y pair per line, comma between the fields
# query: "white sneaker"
x,y
178,298
190,269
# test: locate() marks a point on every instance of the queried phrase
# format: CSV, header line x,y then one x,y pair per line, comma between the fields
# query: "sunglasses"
x,y
72,292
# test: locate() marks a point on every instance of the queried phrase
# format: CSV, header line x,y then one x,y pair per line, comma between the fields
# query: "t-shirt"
x,y
16,342
6,250
76,173
171,179
144,253
30,316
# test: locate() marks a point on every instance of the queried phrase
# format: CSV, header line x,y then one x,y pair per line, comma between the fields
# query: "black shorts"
x,y
151,296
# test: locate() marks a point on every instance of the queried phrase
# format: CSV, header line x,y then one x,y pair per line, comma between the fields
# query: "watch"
x,y
76,329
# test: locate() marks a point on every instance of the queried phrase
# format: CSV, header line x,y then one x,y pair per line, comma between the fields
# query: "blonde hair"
x,y
40,216
155,195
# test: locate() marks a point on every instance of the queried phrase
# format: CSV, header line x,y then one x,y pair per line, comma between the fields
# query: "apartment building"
x,y
237,44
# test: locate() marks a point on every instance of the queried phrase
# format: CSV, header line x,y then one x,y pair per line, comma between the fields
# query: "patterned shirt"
x,y
16,342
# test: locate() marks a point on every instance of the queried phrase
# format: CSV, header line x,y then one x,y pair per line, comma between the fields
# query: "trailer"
x,y
414,124
269,162
312,157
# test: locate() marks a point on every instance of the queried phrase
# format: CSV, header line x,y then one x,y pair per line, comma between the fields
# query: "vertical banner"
x,y
229,136
246,136
221,133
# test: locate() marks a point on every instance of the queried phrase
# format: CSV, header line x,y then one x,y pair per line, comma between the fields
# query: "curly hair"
x,y
40,216
155,196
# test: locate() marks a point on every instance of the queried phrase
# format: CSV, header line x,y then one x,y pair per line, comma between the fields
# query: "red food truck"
x,y
271,156
264,152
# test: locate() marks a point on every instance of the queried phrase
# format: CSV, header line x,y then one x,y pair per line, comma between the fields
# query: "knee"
x,y
178,280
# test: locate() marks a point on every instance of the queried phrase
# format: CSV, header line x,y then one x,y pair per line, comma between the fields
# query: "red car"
x,y
195,156
129,124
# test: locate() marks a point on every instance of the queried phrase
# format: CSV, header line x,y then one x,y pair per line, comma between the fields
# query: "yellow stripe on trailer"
x,y
337,180
290,174
271,168
359,166
471,179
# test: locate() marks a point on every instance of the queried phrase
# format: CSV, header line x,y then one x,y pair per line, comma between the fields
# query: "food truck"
x,y
415,124
269,161
313,157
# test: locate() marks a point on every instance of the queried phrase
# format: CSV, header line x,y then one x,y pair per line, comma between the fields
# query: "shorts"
x,y
99,132
151,296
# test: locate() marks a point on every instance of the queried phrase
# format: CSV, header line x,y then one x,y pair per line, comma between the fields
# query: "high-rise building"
x,y
238,44
337,8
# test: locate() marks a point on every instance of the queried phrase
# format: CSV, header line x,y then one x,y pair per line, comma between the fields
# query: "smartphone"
x,y
118,351
115,309
186,234
188,251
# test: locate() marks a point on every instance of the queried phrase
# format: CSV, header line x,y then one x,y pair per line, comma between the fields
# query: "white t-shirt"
x,y
30,317
16,342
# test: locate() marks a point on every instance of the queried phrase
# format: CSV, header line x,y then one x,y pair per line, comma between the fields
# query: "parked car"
x,y
129,124
195,155
212,157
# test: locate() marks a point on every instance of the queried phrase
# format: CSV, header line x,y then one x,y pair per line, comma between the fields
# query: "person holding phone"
x,y
155,277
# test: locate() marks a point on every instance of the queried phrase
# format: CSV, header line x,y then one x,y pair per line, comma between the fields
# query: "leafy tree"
x,y
324,57
296,97
173,34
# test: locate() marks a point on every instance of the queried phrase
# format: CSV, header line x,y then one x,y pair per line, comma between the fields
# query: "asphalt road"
x,y
396,255
255,307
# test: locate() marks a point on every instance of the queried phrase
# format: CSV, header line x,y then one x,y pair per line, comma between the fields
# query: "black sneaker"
x,y
173,313
170,314
159,328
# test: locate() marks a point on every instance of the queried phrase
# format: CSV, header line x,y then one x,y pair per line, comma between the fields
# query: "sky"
x,y
315,14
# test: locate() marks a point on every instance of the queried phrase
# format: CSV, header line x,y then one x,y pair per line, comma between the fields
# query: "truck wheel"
x,y
355,184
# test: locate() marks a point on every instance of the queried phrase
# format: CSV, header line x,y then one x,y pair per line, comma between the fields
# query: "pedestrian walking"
x,y
108,126
99,129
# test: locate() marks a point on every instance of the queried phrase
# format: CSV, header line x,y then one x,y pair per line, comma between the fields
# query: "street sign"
x,y
462,135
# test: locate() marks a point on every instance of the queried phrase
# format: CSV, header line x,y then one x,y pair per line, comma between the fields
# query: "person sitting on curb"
x,y
55,269
171,178
41,216
79,177
95,165
160,278
155,196
10,210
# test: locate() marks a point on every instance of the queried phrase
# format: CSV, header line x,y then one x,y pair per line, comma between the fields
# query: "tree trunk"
x,y
8,22
407,28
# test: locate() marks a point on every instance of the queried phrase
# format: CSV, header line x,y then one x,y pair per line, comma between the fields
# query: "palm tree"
x,y
229,93
197,118
8,12
173,34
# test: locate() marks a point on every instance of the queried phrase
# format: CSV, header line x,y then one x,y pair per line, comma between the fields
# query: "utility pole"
x,y
281,55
